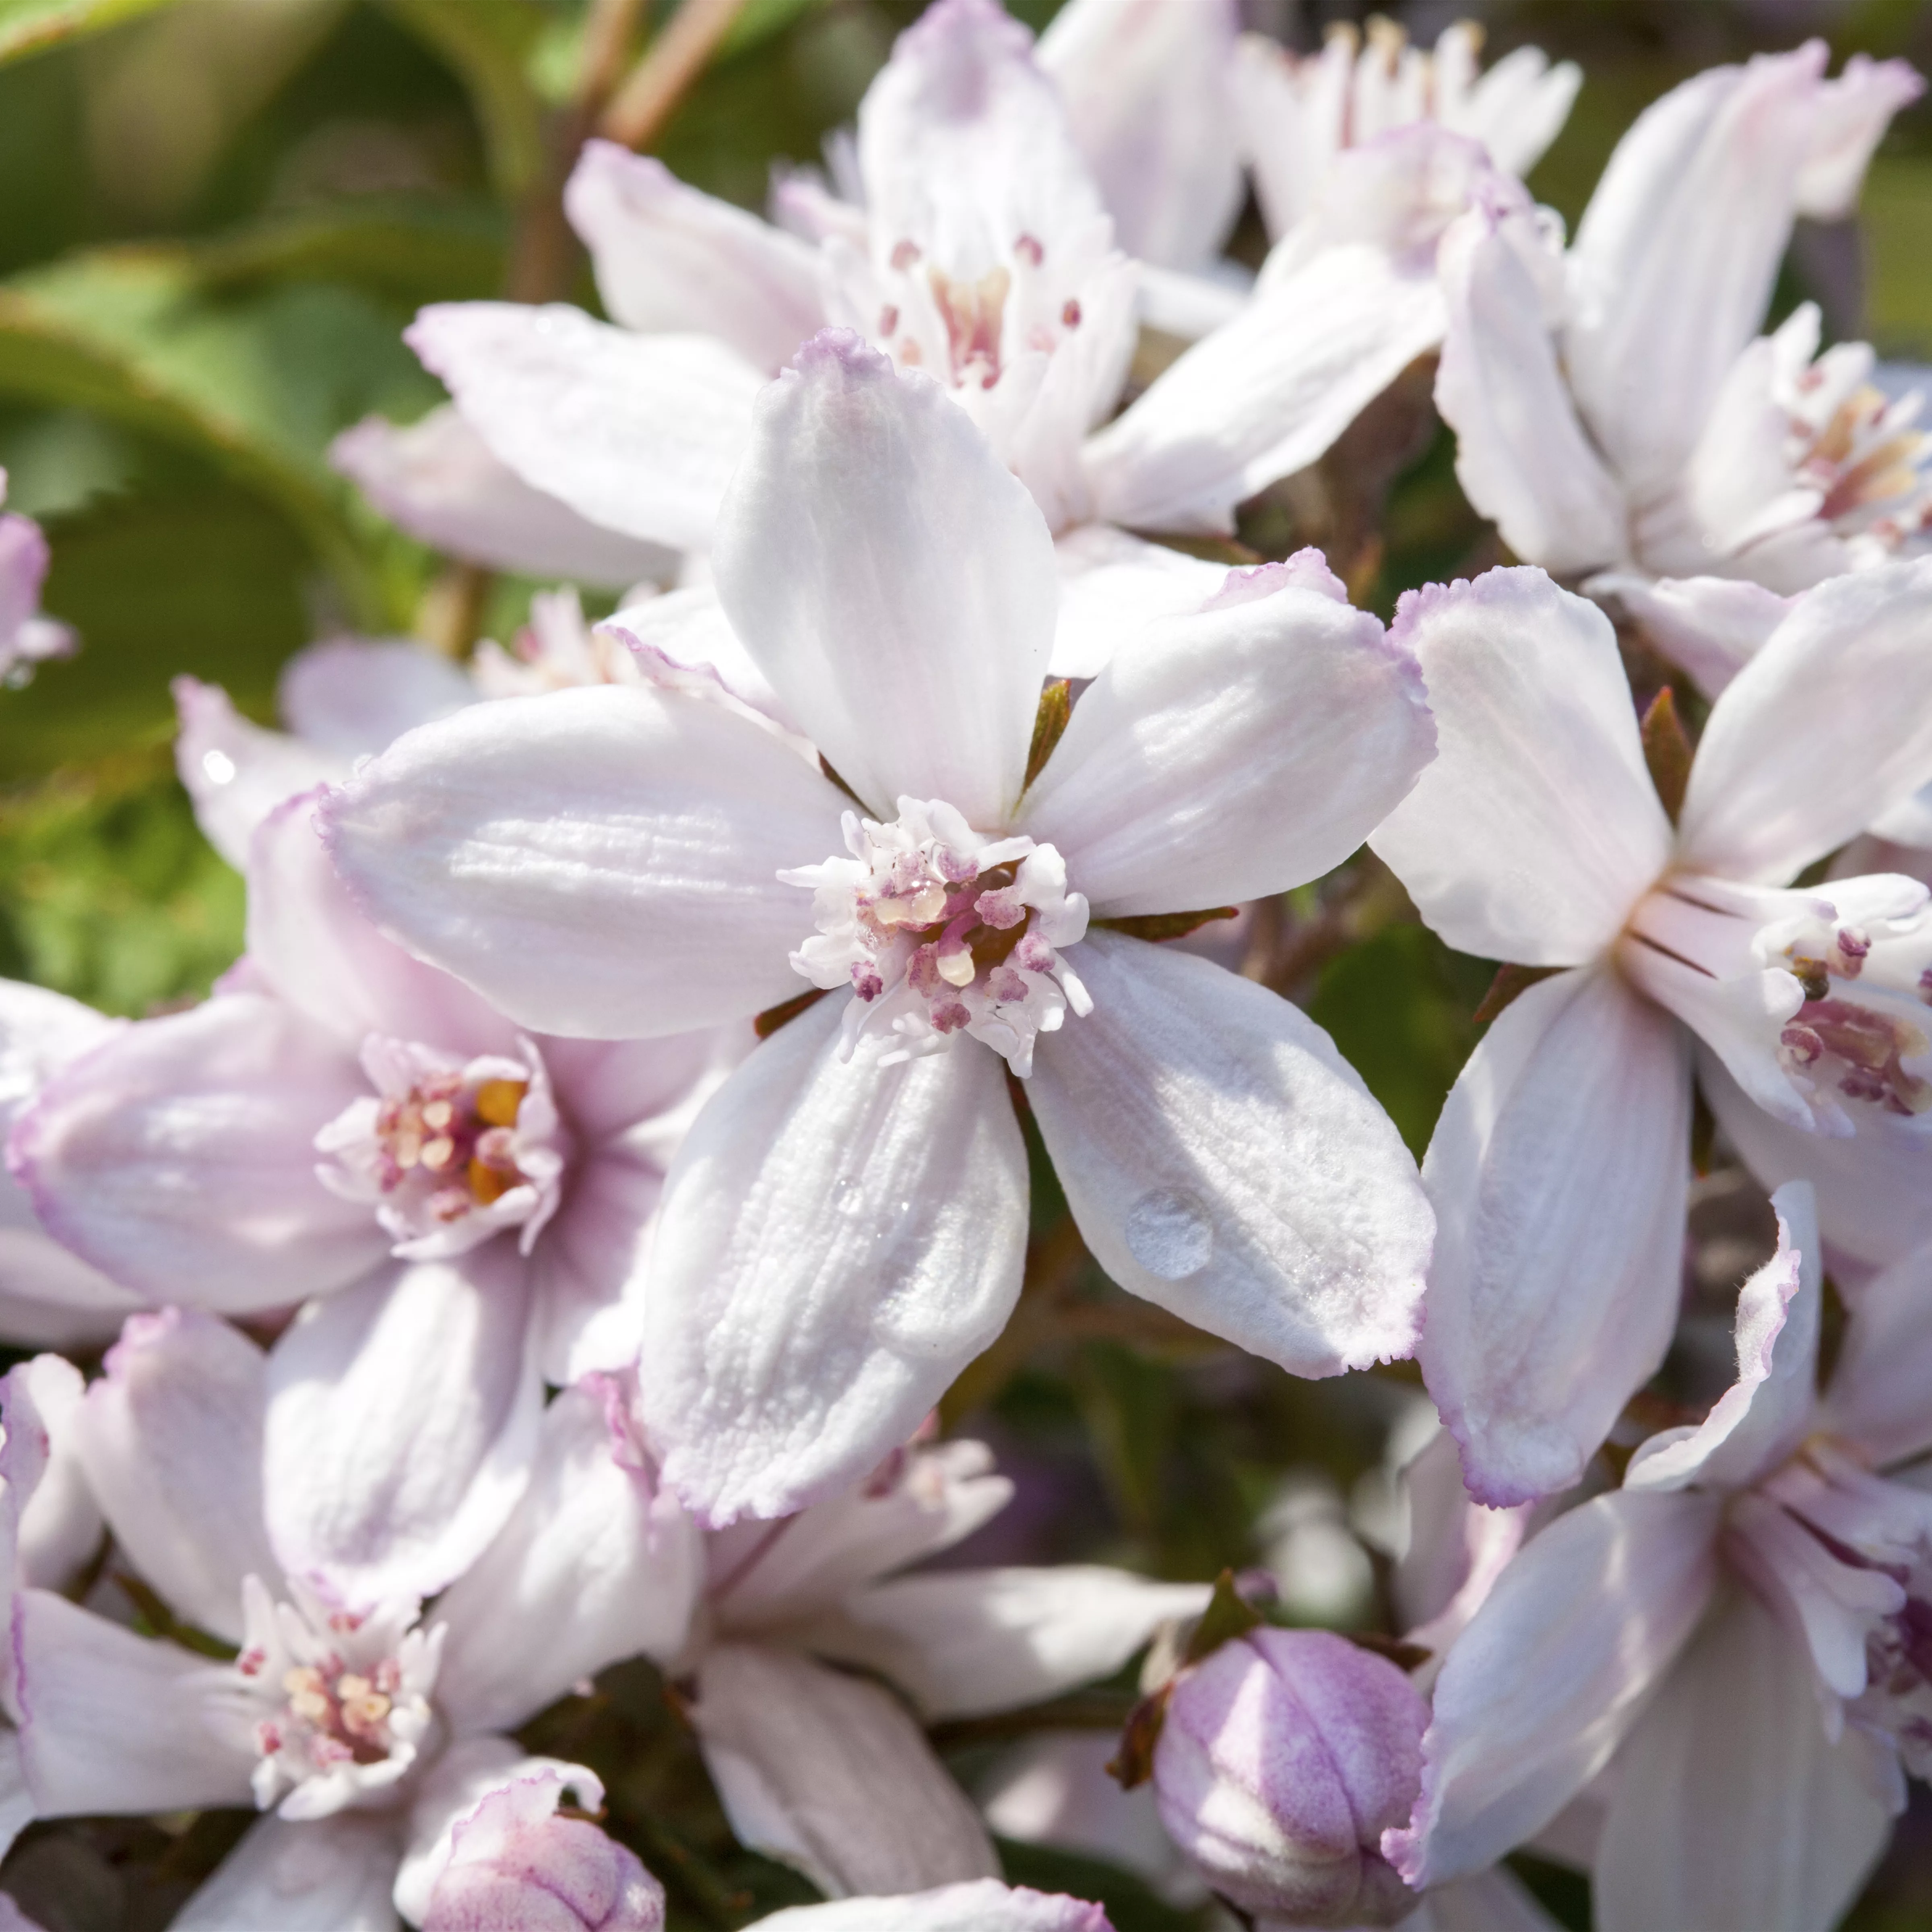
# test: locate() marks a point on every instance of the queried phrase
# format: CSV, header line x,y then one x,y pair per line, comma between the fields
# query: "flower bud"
x,y
1284,1755
516,1865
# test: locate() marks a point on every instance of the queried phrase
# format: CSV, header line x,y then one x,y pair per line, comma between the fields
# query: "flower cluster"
x,y
562,1244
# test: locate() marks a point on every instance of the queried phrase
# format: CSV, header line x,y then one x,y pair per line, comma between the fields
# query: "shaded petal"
x,y
1146,89
349,696
639,433
893,581
310,943
1764,1415
235,772
402,1417
1112,585
179,1158
1880,1393
322,1875
985,1907
470,1770
1559,1171
439,480
1223,1160
1731,1811
1267,394
16,1813
170,1437
588,1269
1232,754
114,1722
963,1643
1873,1201
601,862
1712,626
592,1566
1676,255
837,1241
828,1773
963,144
1522,457
1518,107
1491,1901
1552,1673
1852,114
669,259
1827,727
50,1514
1536,829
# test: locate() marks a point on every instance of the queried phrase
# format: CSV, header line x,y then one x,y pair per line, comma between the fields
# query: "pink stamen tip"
x,y
1029,250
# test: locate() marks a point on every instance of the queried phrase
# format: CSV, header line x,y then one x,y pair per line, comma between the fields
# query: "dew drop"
x,y
1171,1233
848,1196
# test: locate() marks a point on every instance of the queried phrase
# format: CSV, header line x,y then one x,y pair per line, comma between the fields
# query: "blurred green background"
x,y
216,216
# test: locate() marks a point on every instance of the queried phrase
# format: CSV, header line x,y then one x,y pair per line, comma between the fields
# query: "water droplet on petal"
x,y
1171,1233
848,1196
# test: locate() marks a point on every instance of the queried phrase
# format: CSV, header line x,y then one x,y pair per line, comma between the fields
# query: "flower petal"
x,y
591,1567
639,433
321,1875
438,480
113,1722
828,1773
1764,1415
307,939
179,1158
50,1514
1112,585
351,697
1731,1811
963,1643
1853,113
892,579
1522,457
985,1907
601,861
1878,1396
1146,89
837,1240
1223,1160
170,1437
1265,395
1231,754
1713,626
669,259
1827,727
1559,1171
1676,255
402,1418
235,772
1536,829
1551,1674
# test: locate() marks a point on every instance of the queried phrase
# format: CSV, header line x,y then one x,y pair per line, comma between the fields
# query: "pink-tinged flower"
x,y
826,1770
358,1723
27,637
437,480
49,1297
844,1230
1299,113
511,1864
981,253
1613,412
463,1206
1736,1634
984,1905
1284,1757
1559,1166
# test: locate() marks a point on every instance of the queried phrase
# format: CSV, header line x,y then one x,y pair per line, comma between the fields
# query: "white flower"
x,y
1613,412
358,1723
1735,1634
1559,1165
843,1232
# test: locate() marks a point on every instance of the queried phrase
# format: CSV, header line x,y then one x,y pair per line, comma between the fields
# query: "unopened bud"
x,y
1284,1755
516,1865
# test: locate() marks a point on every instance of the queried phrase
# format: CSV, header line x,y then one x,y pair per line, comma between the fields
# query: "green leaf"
x,y
759,20
27,26
491,47
258,386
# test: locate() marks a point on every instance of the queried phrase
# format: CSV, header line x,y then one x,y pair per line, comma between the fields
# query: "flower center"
x,y
1811,1002
447,1151
347,1698
939,931
968,327
1865,454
